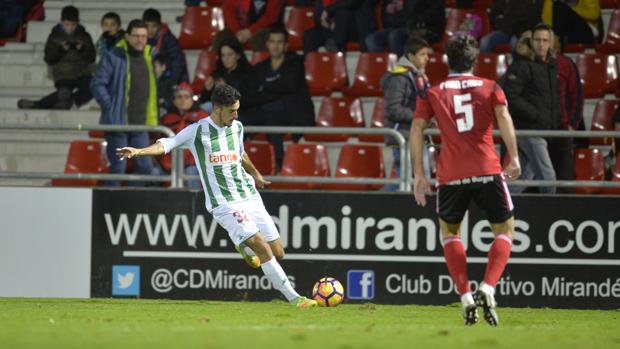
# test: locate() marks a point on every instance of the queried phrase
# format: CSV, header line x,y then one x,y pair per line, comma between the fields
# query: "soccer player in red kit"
x,y
468,168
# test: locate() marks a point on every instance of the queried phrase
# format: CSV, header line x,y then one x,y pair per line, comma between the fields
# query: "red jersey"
x,y
463,106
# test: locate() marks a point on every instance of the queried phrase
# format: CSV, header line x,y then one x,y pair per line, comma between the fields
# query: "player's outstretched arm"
x,y
251,169
129,152
421,185
512,170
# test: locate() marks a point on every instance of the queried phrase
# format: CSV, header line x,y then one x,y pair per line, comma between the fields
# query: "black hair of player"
x,y
462,51
224,94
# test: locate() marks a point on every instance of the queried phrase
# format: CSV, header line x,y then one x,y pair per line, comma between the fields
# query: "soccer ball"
x,y
328,292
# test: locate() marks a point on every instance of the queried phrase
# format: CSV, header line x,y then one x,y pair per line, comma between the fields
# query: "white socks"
x,y
486,288
276,275
467,299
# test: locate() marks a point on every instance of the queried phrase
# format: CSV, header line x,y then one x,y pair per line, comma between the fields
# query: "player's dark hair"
x,y
135,23
113,16
278,30
224,94
415,44
462,51
151,15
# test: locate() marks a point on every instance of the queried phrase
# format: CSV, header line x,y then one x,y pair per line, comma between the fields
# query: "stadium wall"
x,y
384,249
45,239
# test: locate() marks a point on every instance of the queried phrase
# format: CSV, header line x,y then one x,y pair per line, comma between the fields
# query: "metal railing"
x,y
177,175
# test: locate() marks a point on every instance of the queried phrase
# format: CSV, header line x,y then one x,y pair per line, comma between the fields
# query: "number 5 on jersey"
x,y
466,123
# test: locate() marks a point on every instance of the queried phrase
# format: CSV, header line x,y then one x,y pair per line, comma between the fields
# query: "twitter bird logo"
x,y
125,280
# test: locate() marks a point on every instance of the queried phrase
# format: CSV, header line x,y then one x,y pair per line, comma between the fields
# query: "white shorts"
x,y
244,219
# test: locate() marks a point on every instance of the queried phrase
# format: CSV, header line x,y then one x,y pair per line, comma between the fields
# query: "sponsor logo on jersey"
x,y
223,157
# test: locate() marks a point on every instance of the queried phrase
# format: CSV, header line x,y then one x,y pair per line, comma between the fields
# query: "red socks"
x,y
456,259
498,257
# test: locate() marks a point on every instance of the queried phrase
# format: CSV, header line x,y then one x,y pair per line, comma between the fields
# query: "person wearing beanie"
x,y
69,52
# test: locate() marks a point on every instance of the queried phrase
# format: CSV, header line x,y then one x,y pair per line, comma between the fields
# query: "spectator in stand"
x,y
249,21
510,18
166,44
401,87
234,69
339,21
571,107
183,113
533,91
69,52
111,33
394,14
282,85
125,88
574,21
13,14
427,20
165,83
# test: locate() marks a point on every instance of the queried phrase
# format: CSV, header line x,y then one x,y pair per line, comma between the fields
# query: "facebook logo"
x,y
125,280
361,284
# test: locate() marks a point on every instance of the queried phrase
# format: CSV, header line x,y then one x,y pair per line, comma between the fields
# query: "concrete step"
x,y
49,117
127,14
17,182
33,163
35,75
39,31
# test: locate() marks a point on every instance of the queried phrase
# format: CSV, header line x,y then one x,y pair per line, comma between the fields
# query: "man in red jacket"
x,y
250,21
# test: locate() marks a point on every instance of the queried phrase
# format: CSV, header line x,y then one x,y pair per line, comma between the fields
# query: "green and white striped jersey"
x,y
218,152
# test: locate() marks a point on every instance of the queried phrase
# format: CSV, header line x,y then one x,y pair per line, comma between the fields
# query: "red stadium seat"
x,y
609,4
491,66
84,157
259,56
263,157
359,161
325,72
456,17
306,159
370,68
337,112
602,120
299,20
612,40
207,63
615,177
599,74
215,2
589,166
437,67
200,24
377,120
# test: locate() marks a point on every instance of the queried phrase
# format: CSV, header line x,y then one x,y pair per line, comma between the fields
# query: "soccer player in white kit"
x,y
229,180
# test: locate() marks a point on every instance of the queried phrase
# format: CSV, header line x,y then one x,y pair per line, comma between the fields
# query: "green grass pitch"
x,y
130,323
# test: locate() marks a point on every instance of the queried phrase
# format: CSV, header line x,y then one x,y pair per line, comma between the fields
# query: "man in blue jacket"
x,y
124,86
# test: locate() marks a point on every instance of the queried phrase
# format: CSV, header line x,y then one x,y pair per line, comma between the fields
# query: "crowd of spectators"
x,y
142,74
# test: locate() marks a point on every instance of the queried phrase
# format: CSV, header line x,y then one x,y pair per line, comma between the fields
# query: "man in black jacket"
x,y
69,52
532,87
283,84
164,43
